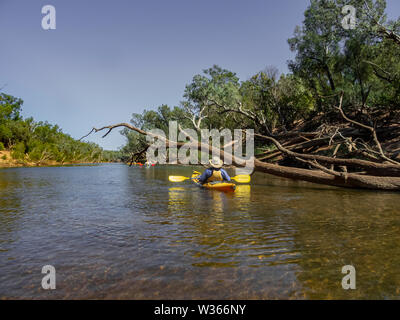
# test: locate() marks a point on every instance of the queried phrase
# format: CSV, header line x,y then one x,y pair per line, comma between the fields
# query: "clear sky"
x,y
108,59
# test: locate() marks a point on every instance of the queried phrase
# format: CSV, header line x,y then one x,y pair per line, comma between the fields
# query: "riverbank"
x,y
7,161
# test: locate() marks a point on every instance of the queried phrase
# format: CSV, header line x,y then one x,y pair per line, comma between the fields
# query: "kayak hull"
x,y
224,187
218,186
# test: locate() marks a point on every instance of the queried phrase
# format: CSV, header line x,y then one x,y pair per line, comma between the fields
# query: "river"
x,y
114,232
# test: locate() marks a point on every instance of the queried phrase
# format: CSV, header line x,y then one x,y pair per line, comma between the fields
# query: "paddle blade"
x,y
242,178
177,178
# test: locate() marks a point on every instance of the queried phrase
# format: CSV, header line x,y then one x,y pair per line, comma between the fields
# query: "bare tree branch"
x,y
372,129
352,180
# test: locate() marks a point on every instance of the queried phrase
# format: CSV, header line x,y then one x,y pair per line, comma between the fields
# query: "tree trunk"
x,y
347,180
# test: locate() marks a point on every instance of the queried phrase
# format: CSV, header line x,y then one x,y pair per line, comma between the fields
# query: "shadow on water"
x,y
117,232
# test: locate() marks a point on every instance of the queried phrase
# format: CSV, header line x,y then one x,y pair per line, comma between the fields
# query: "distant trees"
x,y
40,141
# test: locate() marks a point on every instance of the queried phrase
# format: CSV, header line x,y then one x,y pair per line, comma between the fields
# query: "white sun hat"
x,y
216,163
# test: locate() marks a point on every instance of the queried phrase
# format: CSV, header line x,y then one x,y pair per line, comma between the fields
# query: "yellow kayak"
x,y
219,186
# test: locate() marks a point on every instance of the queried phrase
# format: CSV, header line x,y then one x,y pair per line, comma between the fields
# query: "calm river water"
x,y
117,232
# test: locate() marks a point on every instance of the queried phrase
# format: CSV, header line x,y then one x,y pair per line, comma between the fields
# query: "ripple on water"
x,y
117,232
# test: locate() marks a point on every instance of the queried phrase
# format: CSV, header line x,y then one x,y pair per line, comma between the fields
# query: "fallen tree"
x,y
374,175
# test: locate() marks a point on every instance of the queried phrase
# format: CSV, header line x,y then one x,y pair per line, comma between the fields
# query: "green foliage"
x,y
149,119
294,100
207,94
10,107
42,141
217,99
262,102
364,62
111,156
18,151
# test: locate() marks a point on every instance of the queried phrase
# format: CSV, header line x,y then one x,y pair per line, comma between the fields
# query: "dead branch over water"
x,y
299,156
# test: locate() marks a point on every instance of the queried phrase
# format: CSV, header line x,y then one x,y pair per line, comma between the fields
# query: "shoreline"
x,y
6,161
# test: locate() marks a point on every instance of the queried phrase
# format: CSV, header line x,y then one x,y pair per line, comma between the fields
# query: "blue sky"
x,y
108,59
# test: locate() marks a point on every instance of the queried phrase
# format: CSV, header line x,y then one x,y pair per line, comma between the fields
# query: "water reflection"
x,y
10,213
363,230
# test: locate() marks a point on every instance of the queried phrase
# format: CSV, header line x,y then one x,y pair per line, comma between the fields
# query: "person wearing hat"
x,y
215,173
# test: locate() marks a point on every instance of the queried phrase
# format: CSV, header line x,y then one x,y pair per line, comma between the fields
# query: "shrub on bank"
x,y
18,151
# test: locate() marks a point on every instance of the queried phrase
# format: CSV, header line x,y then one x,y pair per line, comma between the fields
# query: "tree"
x,y
332,59
10,108
334,120
204,94
39,141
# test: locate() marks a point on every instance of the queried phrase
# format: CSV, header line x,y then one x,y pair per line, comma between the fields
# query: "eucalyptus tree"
x,y
333,59
136,144
204,95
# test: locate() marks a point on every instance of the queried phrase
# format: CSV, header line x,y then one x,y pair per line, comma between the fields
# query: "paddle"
x,y
240,178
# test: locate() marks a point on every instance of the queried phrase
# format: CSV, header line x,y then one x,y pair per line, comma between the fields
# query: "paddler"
x,y
215,173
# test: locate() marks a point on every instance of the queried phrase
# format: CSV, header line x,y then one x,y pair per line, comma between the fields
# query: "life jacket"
x,y
216,176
